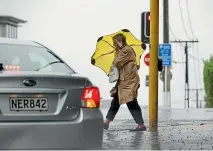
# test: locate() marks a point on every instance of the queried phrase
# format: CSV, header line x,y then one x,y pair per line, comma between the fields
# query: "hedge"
x,y
208,81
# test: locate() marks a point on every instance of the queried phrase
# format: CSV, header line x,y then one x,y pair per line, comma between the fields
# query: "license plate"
x,y
28,104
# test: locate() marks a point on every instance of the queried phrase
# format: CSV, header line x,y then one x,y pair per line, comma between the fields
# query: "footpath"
x,y
178,129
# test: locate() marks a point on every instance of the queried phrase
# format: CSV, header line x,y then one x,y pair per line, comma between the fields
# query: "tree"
x,y
208,81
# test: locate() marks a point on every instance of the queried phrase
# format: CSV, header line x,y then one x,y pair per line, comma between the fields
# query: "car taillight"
x,y
12,67
91,97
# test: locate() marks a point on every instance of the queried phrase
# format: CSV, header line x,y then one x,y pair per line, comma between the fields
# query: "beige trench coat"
x,y
129,80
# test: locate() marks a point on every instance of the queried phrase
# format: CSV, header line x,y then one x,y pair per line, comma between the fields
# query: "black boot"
x,y
106,126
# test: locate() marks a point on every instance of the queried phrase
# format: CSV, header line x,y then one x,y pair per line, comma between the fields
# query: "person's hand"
x,y
116,53
113,92
115,56
138,67
111,67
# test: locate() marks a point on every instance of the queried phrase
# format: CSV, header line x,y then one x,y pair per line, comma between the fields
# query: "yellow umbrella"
x,y
104,54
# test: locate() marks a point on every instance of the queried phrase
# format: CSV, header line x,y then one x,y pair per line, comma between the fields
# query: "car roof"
x,y
18,42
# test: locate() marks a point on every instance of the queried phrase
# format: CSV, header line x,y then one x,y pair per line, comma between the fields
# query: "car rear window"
x,y
31,58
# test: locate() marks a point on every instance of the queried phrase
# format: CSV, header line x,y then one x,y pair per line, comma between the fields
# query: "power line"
x,y
199,79
182,57
198,66
199,72
197,50
171,31
184,27
189,18
193,57
170,28
195,71
186,67
176,102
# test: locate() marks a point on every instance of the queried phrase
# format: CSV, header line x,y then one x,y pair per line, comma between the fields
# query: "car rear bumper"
x,y
84,133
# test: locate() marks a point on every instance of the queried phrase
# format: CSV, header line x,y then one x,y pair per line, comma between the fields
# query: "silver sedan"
x,y
44,104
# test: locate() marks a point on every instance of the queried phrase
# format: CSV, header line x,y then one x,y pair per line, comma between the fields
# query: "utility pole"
x,y
197,96
187,68
187,75
201,103
167,80
153,68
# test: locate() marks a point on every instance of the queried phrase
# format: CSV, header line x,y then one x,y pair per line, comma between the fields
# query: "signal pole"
x,y
187,68
153,69
166,80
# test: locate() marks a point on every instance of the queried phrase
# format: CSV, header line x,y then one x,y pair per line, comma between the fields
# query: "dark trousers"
x,y
133,107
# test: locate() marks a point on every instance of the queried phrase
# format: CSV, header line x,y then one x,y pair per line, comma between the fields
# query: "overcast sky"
x,y
71,28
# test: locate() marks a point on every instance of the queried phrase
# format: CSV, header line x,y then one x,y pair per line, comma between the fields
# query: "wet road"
x,y
178,129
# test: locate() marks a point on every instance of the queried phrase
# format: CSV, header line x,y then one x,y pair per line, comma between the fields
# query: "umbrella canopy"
x,y
105,53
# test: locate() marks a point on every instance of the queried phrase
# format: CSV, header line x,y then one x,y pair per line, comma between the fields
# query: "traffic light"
x,y
160,65
145,27
1,66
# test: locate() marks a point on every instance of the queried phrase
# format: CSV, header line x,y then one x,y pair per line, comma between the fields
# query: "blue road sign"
x,y
165,54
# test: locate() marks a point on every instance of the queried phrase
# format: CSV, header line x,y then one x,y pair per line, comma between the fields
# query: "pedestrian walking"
x,y
126,88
